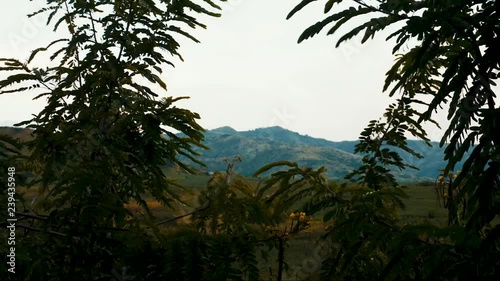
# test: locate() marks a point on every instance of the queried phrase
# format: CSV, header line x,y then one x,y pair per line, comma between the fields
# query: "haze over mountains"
x,y
265,145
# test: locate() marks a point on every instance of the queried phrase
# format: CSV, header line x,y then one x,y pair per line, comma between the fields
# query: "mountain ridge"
x,y
265,145
261,146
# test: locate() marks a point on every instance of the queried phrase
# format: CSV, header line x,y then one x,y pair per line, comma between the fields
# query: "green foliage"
x,y
375,139
359,215
102,138
187,255
454,62
234,214
295,184
233,205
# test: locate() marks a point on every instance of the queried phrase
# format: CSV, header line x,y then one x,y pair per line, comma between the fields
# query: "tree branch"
x,y
202,208
31,216
41,230
362,3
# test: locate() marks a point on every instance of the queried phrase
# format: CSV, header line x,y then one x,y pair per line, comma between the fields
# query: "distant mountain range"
x,y
265,145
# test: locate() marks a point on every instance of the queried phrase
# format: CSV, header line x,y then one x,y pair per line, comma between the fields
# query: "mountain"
x,y
259,150
17,133
265,145
224,130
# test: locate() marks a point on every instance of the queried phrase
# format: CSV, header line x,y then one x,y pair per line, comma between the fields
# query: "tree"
x,y
454,63
103,137
234,218
363,218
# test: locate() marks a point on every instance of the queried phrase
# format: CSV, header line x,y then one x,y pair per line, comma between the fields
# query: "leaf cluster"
x,y
446,56
105,133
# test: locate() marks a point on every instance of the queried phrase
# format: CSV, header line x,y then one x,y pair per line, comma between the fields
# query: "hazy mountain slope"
x,y
265,145
257,152
17,133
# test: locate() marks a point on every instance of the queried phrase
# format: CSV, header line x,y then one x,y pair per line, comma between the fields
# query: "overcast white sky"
x,y
248,72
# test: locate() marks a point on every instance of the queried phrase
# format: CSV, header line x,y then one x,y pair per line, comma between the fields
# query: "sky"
x,y
248,71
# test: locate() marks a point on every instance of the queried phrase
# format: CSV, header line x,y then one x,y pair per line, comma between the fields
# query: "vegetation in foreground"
x,y
100,144
303,251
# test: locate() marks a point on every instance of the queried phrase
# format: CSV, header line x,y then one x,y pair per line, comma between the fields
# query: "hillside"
x,y
265,145
17,133
259,151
